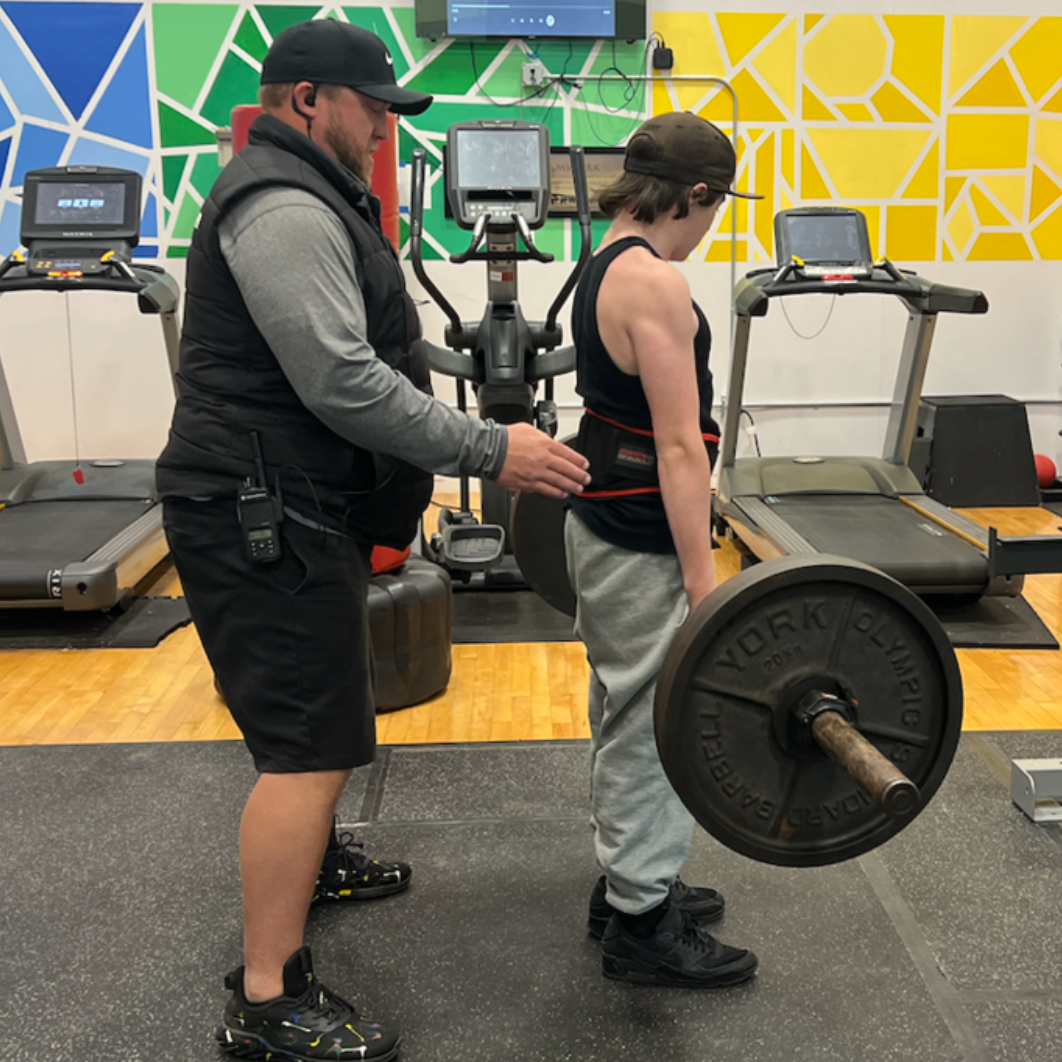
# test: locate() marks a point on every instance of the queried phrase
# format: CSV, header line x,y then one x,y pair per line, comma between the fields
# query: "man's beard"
x,y
356,158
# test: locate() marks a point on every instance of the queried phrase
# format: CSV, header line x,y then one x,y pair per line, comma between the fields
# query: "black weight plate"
x,y
752,649
536,530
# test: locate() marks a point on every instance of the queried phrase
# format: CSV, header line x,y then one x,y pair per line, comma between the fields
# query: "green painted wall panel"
x,y
249,38
236,83
278,17
177,130
187,40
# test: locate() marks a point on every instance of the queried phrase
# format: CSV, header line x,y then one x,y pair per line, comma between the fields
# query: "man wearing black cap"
x,y
639,540
303,428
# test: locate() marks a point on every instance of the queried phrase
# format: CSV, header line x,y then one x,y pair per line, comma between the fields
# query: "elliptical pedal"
x,y
464,544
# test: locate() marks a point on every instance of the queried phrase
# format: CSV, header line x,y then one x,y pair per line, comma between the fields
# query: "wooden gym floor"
x,y
514,692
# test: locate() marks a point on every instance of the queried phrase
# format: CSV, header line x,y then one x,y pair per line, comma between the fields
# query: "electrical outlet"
x,y
533,73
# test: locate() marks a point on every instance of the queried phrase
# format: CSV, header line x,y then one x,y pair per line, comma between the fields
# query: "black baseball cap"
x,y
329,52
686,148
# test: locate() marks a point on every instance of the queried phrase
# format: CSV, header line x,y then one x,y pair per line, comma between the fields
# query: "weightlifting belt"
x,y
622,460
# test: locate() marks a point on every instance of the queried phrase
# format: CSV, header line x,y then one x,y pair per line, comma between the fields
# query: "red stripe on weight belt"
x,y
640,431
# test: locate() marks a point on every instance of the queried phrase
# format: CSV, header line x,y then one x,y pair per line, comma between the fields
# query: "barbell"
x,y
806,711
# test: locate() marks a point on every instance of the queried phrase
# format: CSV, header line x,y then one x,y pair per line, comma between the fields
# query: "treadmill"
x,y
79,536
871,509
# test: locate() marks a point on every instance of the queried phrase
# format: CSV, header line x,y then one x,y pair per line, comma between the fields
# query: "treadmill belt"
x,y
886,534
39,536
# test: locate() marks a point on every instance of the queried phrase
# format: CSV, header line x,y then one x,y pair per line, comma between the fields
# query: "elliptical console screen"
x,y
499,159
82,204
823,236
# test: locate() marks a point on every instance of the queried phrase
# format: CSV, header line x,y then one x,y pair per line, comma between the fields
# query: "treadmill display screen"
x,y
82,203
827,238
499,159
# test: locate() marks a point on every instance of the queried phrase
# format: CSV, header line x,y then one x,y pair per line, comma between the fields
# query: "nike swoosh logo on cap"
x,y
390,61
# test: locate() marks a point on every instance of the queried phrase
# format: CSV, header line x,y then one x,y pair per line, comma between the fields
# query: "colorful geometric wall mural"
x,y
945,130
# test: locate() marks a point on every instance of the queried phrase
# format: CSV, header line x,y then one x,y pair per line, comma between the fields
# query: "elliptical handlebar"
x,y
416,230
582,205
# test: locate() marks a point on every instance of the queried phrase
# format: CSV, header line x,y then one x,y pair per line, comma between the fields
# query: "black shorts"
x,y
288,641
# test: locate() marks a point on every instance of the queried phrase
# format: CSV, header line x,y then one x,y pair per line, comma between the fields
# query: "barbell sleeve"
x,y
874,773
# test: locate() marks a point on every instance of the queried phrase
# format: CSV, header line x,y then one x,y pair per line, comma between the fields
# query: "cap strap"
x,y
668,170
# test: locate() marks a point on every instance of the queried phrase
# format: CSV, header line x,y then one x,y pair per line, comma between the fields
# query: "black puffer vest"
x,y
230,383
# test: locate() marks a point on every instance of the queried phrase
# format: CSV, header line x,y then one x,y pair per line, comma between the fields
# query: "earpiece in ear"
x,y
311,99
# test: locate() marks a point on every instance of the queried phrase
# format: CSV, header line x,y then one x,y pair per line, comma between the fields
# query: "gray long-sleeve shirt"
x,y
294,264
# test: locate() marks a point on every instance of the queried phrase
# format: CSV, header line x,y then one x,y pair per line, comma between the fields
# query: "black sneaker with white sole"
x,y
677,953
347,873
704,906
308,1023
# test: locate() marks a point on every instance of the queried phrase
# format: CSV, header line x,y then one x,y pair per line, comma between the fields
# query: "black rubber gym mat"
x,y
485,616
993,623
147,621
120,910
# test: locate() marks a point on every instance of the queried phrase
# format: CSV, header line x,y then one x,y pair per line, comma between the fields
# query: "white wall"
x,y
824,396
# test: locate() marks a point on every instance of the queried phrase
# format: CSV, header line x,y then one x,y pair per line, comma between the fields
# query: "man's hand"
x,y
535,462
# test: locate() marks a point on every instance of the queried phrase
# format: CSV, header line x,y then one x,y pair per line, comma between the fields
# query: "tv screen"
x,y
621,19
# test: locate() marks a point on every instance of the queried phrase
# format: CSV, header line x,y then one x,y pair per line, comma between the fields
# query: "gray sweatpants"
x,y
629,607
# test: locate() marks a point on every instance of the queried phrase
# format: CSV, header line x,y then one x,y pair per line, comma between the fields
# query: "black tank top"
x,y
637,522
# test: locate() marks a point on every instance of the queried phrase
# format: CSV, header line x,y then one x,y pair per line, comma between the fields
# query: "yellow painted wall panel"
x,y
856,112
999,247
987,212
996,89
742,31
918,55
962,226
1048,236
1010,191
814,110
1049,143
719,251
755,104
1038,55
894,106
812,186
987,141
1044,192
925,184
975,40
810,79
952,187
868,163
911,233
847,56
777,65
696,52
788,160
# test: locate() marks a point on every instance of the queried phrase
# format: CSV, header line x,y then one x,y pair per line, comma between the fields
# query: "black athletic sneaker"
x,y
704,906
347,873
306,1024
678,953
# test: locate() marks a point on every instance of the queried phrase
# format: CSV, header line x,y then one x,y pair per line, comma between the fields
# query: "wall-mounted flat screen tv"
x,y
617,19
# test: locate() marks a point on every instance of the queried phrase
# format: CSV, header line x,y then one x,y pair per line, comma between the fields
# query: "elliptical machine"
x,y
497,185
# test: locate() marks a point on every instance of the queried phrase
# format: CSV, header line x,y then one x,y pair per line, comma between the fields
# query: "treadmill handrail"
x,y
156,290
753,292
